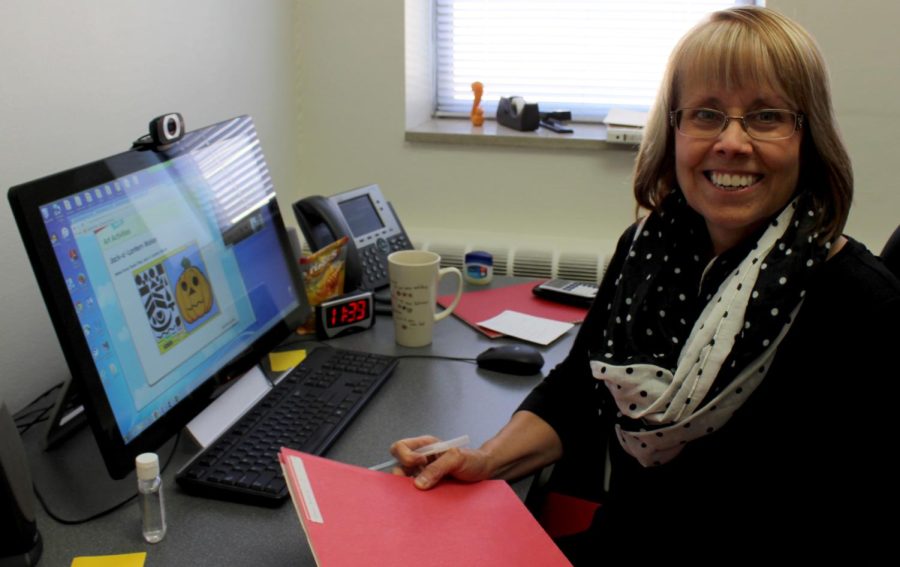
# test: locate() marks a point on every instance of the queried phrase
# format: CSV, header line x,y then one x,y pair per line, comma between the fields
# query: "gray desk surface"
x,y
439,397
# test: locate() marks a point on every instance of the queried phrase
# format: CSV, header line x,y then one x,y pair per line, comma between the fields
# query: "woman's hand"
x,y
468,465
524,445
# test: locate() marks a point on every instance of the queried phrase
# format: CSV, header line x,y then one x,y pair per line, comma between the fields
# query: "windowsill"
x,y
461,131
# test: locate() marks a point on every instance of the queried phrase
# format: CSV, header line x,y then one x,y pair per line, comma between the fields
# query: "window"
x,y
585,56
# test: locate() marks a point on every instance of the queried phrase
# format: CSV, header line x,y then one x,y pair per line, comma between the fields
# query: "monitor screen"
x,y
166,275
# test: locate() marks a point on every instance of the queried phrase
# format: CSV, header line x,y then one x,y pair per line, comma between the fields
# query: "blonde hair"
x,y
749,46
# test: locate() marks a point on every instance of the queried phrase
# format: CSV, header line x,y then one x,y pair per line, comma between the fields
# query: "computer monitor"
x,y
166,273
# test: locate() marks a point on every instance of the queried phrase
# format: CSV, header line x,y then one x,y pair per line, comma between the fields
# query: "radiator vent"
x,y
526,262
451,254
582,267
531,262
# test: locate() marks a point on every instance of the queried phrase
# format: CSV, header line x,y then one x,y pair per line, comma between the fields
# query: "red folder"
x,y
480,305
376,518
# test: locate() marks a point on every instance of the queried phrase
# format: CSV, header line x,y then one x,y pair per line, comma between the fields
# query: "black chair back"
x,y
891,253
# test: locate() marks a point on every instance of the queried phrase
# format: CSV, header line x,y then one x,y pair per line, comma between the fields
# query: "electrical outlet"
x,y
624,135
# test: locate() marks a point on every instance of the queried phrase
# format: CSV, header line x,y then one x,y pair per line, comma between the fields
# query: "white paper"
x,y
229,407
527,327
623,117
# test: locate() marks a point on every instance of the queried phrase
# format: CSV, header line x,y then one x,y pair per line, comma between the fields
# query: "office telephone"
x,y
368,219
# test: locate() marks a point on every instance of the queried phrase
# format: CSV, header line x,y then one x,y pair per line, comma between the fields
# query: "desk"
x,y
440,397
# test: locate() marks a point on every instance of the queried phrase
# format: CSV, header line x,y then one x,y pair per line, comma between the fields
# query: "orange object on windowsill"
x,y
477,114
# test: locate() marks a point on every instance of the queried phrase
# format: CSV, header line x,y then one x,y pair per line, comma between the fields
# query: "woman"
x,y
731,374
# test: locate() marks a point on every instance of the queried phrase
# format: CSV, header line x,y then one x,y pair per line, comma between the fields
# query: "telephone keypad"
x,y
374,264
399,242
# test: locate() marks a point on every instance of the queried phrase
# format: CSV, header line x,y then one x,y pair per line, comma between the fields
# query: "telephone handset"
x,y
368,220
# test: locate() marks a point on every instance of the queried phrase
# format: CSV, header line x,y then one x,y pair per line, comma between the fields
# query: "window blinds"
x,y
580,55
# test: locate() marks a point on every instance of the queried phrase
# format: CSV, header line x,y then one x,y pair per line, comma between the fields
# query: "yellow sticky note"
x,y
285,360
124,560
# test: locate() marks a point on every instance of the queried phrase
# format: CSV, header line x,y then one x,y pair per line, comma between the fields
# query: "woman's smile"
x,y
730,182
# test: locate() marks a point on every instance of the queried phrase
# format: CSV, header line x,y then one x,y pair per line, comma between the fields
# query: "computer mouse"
x,y
522,360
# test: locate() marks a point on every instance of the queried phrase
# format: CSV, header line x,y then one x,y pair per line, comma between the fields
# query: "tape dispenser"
x,y
514,112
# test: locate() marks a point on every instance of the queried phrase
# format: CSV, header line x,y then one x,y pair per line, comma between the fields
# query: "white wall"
x,y
81,79
71,66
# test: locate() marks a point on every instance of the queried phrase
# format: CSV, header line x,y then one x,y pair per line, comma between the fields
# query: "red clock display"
x,y
345,314
348,313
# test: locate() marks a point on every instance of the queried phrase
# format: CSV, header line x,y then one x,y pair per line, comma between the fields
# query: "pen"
x,y
432,449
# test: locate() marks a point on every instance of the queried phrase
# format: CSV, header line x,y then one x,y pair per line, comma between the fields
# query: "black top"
x,y
802,467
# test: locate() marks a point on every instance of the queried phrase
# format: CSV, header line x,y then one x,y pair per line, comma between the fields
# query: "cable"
x,y
437,357
83,520
39,419
46,393
313,342
297,340
307,341
108,510
42,412
41,416
22,415
145,141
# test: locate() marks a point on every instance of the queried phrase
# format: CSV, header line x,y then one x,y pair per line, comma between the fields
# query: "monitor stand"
x,y
72,479
67,415
74,482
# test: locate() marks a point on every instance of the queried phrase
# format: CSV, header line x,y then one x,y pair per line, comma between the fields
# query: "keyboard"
x,y
306,411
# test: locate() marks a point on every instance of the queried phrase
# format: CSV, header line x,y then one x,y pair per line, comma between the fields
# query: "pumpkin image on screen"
x,y
193,293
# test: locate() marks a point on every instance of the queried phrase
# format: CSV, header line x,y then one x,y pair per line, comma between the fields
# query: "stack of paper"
x,y
527,327
624,117
479,306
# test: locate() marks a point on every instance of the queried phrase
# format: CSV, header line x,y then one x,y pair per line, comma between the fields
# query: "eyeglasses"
x,y
765,124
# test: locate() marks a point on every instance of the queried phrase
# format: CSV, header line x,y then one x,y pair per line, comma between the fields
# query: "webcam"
x,y
167,128
164,131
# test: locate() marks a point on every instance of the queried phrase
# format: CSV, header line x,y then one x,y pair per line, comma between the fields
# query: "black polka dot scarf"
x,y
687,342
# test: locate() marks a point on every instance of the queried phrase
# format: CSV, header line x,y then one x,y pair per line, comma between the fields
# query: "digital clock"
x,y
345,314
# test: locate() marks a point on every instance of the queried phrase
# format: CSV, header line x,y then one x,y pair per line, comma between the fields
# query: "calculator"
x,y
572,292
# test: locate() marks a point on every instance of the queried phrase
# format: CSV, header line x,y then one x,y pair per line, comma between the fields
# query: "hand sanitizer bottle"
x,y
153,510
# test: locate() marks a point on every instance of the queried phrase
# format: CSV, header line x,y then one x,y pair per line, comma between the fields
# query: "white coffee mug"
x,y
414,276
